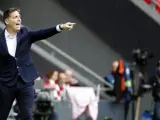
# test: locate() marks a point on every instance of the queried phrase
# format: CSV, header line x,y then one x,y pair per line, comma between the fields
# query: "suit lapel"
x,y
3,42
18,39
18,42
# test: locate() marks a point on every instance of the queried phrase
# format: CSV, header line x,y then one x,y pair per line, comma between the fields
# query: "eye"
x,y
16,17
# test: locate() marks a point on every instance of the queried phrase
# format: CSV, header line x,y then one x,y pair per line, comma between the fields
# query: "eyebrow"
x,y
17,16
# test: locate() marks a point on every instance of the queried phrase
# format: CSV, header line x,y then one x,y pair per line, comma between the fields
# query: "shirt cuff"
x,y
58,28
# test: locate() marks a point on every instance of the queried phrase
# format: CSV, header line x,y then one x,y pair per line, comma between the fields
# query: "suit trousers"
x,y
24,95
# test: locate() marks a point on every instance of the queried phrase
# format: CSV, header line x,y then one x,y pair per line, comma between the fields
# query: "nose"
x,y
19,19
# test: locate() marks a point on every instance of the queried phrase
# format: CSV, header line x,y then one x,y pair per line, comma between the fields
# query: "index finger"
x,y
71,23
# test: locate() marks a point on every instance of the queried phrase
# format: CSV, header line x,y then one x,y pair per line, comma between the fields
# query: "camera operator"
x,y
141,57
154,85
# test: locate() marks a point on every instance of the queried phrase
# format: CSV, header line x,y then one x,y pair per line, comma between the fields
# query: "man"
x,y
154,83
120,79
17,72
70,78
114,78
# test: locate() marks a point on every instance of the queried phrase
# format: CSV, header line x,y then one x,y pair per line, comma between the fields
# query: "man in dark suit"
x,y
17,72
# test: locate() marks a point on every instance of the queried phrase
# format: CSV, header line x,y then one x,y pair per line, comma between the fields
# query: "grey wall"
x,y
45,67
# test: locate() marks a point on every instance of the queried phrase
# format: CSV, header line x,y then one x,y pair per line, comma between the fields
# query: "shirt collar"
x,y
7,35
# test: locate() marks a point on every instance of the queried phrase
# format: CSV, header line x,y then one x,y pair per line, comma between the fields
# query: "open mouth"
x,y
18,24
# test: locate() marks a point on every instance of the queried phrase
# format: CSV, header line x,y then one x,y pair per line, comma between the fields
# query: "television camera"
x,y
141,57
43,106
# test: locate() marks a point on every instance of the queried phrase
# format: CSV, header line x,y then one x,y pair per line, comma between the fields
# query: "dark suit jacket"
x,y
22,64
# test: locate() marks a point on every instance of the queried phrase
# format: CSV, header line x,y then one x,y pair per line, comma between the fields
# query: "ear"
x,y
6,21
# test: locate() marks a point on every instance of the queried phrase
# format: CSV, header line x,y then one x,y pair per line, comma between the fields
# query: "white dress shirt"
x,y
12,42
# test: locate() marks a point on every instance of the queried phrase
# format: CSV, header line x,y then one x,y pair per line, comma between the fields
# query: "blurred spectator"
x,y
154,85
114,78
121,80
53,75
157,7
58,81
70,78
148,1
115,66
52,78
62,80
59,87
154,4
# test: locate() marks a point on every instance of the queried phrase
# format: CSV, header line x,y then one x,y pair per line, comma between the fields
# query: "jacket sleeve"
x,y
43,33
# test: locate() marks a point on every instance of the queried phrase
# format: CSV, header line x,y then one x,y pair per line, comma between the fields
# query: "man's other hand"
x,y
67,25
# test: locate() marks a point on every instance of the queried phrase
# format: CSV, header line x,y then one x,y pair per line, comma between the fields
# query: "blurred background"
x,y
105,31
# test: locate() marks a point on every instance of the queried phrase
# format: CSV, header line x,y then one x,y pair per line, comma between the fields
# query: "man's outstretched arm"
x,y
48,32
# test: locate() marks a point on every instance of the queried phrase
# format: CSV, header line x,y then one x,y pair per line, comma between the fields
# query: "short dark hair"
x,y
7,13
